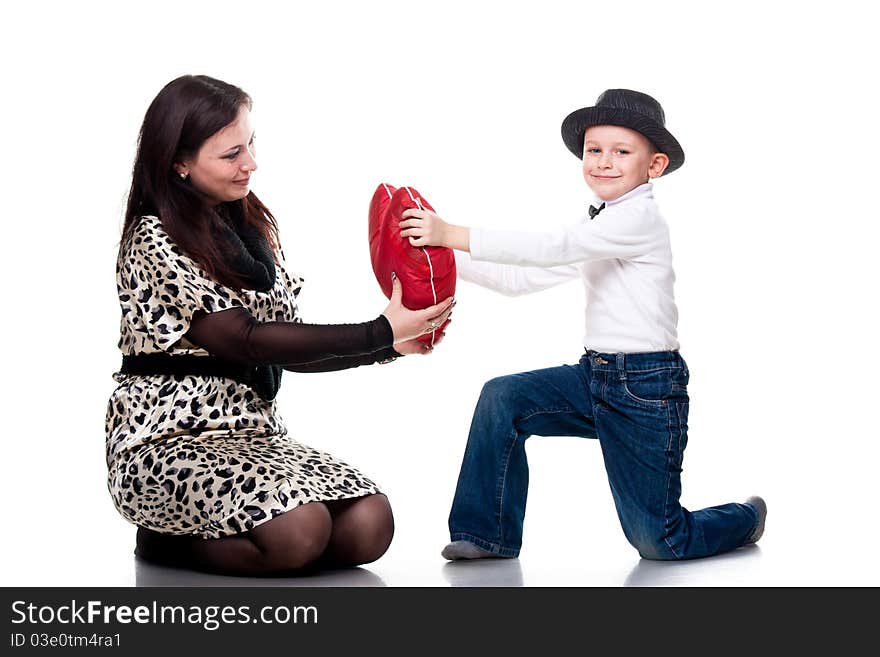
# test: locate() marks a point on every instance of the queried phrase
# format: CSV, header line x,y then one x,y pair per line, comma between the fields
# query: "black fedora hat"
x,y
630,109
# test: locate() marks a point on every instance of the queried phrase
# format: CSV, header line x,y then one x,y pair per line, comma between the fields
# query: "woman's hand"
x,y
407,324
413,346
426,228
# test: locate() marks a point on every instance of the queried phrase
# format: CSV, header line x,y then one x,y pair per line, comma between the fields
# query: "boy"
x,y
630,388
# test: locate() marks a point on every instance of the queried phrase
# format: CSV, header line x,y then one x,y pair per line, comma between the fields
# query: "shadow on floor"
x,y
727,569
149,574
483,572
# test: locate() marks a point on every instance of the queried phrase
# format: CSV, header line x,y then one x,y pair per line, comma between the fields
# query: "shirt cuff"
x,y
476,243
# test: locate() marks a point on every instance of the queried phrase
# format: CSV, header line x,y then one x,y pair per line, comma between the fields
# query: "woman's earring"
x,y
182,175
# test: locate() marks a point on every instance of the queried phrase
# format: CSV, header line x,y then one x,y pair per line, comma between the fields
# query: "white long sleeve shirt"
x,y
623,256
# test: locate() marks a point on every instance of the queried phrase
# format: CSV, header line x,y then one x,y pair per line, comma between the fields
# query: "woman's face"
x,y
221,170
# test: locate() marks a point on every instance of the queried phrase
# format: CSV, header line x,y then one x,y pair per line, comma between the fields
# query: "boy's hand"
x,y
423,228
426,228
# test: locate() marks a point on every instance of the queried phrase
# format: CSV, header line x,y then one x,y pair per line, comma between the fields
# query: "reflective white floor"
x,y
570,540
733,569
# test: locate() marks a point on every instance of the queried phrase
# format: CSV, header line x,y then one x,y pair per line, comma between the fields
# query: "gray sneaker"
x,y
467,550
760,507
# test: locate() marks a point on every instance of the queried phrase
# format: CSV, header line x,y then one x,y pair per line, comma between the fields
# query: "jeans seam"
x,y
502,484
668,481
668,429
542,411
681,424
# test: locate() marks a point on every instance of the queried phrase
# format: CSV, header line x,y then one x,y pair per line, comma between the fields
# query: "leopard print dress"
x,y
202,455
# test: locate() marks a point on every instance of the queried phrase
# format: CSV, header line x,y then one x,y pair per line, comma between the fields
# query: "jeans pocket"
x,y
651,387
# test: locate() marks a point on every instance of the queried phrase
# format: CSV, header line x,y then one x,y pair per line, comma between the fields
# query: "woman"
x,y
197,456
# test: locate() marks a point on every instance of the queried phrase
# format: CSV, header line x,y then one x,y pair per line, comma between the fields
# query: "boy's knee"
x,y
498,390
653,546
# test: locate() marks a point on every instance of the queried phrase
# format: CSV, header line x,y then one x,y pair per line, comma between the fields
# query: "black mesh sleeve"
x,y
344,362
235,335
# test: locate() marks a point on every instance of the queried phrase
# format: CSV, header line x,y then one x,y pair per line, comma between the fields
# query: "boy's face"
x,y
617,160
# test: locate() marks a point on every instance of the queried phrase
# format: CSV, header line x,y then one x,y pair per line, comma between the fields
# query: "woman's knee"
x,y
376,527
294,539
381,525
363,531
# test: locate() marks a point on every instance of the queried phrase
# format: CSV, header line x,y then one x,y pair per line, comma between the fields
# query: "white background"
x,y
773,220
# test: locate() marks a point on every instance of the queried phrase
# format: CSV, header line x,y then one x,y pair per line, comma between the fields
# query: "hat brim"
x,y
576,123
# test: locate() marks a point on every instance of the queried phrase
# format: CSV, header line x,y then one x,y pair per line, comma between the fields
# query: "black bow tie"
x,y
594,211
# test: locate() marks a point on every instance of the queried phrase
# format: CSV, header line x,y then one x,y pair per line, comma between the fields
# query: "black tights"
x,y
336,534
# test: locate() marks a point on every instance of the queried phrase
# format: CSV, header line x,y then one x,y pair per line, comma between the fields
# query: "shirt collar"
x,y
645,189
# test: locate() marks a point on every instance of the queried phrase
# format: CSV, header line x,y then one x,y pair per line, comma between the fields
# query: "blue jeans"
x,y
637,406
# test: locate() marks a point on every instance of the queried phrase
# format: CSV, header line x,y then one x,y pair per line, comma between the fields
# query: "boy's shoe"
x,y
760,506
466,550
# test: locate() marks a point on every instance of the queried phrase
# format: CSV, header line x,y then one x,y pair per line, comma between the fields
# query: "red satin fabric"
x,y
426,273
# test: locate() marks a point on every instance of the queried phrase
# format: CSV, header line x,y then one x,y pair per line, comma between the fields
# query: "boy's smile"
x,y
617,160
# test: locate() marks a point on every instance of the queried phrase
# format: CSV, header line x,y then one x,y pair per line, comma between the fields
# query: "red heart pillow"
x,y
427,273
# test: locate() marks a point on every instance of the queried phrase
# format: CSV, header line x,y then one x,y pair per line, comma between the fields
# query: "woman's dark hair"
x,y
180,119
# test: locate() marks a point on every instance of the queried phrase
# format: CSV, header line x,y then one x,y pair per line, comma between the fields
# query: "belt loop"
x,y
621,366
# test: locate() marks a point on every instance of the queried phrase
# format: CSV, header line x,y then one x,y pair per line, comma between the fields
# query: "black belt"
x,y
262,379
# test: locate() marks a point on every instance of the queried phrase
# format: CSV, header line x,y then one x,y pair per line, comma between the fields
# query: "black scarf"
x,y
252,258
250,254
